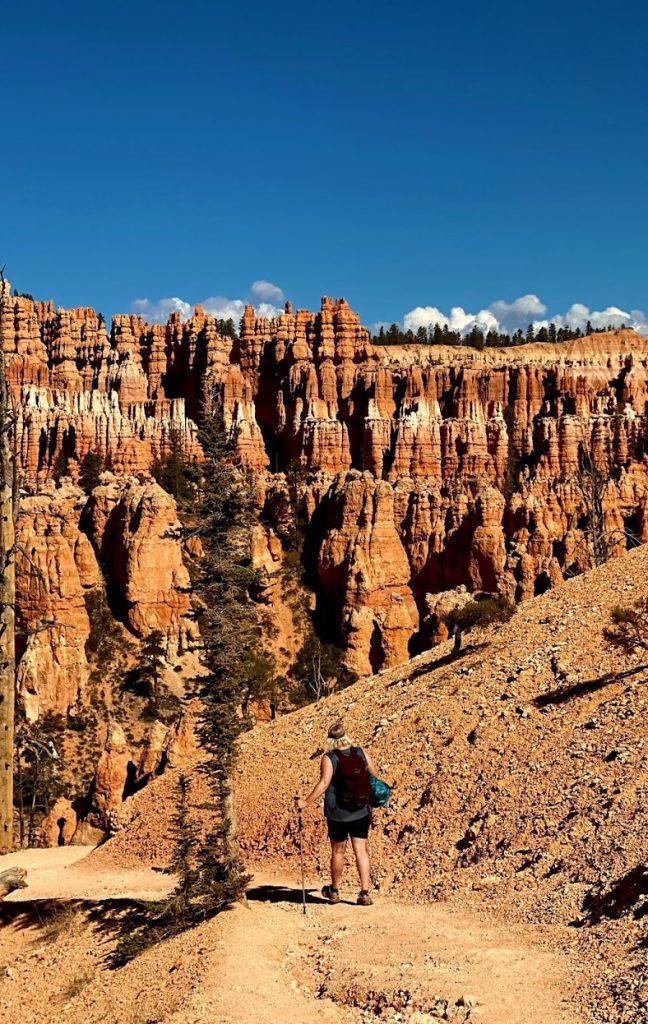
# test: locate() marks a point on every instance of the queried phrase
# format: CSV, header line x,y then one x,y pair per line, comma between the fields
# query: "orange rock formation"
x,y
418,470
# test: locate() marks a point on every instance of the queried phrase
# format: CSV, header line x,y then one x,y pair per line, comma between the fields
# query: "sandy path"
x,y
267,963
314,968
65,874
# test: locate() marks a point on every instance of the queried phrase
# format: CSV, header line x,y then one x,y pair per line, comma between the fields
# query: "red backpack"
x,y
351,780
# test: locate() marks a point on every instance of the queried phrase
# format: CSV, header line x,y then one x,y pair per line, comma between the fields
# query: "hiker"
x,y
345,774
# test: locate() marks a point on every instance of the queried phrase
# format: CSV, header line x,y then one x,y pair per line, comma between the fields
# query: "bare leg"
x,y
361,851
337,863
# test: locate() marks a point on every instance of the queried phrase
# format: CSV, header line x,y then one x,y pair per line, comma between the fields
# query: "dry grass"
x,y
63,919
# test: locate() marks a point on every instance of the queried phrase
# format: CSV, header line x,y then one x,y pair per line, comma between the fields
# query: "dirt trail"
x,y
350,964
267,963
65,874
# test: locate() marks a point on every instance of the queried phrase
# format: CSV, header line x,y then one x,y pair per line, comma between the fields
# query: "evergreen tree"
x,y
146,679
61,465
475,339
394,336
227,328
92,466
222,580
175,473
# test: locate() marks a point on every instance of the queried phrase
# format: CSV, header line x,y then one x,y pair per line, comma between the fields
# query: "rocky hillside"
x,y
411,473
520,777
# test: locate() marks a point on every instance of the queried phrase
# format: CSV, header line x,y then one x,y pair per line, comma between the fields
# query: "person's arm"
x,y
370,765
326,774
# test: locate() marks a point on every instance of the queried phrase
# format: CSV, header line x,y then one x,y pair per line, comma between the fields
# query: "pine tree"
x,y
61,465
185,835
222,580
145,679
92,466
393,335
475,339
175,473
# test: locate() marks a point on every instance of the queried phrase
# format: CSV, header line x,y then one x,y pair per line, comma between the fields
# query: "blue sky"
x,y
407,156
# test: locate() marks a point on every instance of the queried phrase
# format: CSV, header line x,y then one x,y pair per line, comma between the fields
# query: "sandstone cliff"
x,y
412,471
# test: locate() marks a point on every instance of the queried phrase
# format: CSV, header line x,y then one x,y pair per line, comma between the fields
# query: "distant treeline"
x,y
478,339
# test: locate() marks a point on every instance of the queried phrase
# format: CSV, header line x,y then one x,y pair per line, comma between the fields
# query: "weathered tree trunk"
x,y
12,878
231,845
7,600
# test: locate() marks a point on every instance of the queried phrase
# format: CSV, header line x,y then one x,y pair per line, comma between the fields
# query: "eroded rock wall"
x,y
412,471
129,527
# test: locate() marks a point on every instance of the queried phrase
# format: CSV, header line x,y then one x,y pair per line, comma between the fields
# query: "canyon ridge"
x,y
418,475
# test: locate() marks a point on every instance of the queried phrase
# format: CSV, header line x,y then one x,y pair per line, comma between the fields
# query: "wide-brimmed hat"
x,y
337,731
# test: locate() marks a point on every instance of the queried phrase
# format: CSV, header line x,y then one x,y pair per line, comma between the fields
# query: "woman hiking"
x,y
345,784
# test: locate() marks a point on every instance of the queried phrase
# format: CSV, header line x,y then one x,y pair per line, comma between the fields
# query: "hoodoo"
x,y
412,471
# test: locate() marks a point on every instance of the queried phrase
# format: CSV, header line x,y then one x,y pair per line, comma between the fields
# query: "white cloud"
x,y
578,315
265,291
509,316
224,309
159,312
456,320
263,295
499,316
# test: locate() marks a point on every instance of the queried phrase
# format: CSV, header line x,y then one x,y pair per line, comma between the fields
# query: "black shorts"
x,y
339,831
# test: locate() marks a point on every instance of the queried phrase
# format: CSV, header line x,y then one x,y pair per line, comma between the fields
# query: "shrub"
x,y
477,613
629,629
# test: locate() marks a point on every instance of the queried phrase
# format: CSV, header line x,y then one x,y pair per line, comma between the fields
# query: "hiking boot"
x,y
364,899
331,894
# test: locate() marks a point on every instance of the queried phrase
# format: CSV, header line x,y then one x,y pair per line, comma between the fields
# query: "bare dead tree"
x,y
599,541
33,758
591,484
8,492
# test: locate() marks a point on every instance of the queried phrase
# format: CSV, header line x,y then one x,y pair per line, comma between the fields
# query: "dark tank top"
x,y
331,809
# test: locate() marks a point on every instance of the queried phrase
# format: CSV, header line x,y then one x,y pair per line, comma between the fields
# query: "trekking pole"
x,y
301,853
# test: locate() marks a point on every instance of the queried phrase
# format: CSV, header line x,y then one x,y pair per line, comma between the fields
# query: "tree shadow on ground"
x,y
286,894
430,666
566,693
52,916
627,895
